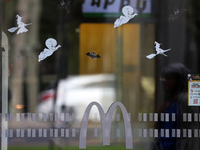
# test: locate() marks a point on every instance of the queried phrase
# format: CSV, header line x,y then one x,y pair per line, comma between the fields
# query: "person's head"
x,y
174,78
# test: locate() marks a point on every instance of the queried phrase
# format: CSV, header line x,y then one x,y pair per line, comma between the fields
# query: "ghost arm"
x,y
132,15
58,47
55,48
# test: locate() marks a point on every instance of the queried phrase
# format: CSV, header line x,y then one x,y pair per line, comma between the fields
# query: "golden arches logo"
x,y
106,124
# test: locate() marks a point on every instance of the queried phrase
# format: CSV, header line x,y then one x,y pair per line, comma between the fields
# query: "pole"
x,y
4,64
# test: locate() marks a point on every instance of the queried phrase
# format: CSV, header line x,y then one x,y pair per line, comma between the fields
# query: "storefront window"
x,y
99,74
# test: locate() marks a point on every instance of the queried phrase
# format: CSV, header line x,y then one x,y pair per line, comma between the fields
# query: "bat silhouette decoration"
x,y
158,51
93,55
21,26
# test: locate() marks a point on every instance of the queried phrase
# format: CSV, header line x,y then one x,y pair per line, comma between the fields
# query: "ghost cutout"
x,y
128,14
51,47
21,26
158,51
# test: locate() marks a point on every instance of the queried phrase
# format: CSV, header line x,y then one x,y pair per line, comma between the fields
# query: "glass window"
x,y
99,74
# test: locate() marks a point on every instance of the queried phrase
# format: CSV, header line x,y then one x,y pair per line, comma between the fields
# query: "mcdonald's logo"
x,y
106,120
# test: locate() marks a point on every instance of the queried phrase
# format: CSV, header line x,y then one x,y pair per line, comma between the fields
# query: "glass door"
x,y
99,74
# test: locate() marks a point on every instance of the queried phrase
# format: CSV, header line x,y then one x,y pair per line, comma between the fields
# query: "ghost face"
x,y
51,43
128,11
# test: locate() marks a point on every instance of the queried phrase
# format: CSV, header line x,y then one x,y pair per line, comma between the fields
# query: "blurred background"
x,y
68,80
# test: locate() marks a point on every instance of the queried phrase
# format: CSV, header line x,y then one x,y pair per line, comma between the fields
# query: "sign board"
x,y
193,90
113,8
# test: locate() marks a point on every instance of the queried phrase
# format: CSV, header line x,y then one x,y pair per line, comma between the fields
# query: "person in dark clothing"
x,y
175,86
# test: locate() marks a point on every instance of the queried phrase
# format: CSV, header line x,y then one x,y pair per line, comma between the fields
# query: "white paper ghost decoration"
x,y
128,14
51,47
158,51
21,26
